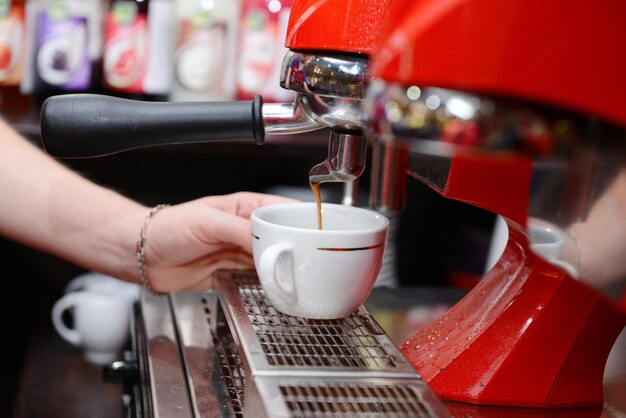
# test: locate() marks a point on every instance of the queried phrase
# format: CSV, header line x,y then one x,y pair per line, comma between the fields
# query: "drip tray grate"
x,y
350,399
293,341
274,365
275,342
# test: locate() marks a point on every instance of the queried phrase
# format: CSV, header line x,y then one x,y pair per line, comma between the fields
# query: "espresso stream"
x,y
318,199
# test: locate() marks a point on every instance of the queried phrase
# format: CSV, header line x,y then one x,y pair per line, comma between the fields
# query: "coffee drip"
x,y
315,186
345,162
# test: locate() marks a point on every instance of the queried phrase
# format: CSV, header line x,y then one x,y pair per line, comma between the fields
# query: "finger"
x,y
243,203
229,228
197,275
207,281
190,231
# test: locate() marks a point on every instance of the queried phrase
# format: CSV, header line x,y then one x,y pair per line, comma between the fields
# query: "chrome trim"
x,y
331,88
288,118
168,387
449,120
417,130
196,316
388,176
336,75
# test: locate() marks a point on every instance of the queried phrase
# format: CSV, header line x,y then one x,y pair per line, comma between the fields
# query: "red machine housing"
x,y
528,334
342,26
567,55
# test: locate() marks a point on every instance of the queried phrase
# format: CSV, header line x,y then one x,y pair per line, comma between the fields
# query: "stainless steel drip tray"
x,y
348,397
232,341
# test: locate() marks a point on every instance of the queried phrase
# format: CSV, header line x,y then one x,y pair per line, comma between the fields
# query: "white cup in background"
x,y
100,307
312,273
547,240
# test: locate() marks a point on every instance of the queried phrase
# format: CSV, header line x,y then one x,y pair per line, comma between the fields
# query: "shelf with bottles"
x,y
176,50
144,49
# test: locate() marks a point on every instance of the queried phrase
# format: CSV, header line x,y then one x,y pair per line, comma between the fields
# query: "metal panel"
x,y
165,370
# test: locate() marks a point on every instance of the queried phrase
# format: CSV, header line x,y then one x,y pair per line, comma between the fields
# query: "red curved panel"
x,y
337,25
553,52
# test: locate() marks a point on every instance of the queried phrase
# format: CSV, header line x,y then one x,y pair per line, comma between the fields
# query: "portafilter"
x,y
330,88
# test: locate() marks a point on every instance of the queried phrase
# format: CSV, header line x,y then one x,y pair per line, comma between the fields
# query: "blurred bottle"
x,y
12,56
137,54
261,50
205,49
67,46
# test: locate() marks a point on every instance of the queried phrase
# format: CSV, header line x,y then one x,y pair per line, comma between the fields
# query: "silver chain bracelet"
x,y
141,251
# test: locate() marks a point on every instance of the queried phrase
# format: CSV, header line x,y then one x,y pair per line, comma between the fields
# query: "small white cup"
x,y
312,273
101,307
547,240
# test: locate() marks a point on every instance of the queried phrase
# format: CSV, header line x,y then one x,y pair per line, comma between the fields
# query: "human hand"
x,y
186,243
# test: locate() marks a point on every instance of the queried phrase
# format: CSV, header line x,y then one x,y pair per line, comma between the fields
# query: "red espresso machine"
x,y
510,107
517,108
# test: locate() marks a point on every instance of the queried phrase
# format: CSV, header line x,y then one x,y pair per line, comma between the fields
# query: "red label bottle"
x,y
12,55
261,49
125,53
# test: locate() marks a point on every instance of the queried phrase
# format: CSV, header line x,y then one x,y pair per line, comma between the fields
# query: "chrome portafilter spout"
x,y
345,163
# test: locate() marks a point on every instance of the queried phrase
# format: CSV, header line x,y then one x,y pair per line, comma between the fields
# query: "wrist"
x,y
141,250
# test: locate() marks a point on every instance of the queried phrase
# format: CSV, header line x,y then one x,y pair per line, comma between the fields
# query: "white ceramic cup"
x,y
100,307
312,273
547,240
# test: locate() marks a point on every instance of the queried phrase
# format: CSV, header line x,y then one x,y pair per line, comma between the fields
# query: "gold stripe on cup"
x,y
371,247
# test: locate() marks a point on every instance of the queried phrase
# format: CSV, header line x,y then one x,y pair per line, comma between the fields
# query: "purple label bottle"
x,y
62,61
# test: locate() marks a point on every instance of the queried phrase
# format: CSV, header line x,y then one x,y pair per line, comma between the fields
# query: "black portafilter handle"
x,y
93,125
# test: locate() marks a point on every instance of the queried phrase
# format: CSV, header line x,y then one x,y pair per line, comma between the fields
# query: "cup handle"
x,y
70,335
276,271
77,284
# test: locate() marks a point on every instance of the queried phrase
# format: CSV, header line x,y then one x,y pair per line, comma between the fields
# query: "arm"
x,y
601,239
48,206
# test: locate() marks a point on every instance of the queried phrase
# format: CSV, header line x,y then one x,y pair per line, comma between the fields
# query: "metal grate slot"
x,y
230,361
363,400
292,341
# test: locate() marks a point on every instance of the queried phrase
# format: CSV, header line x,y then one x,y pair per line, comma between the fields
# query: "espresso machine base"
x,y
227,352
